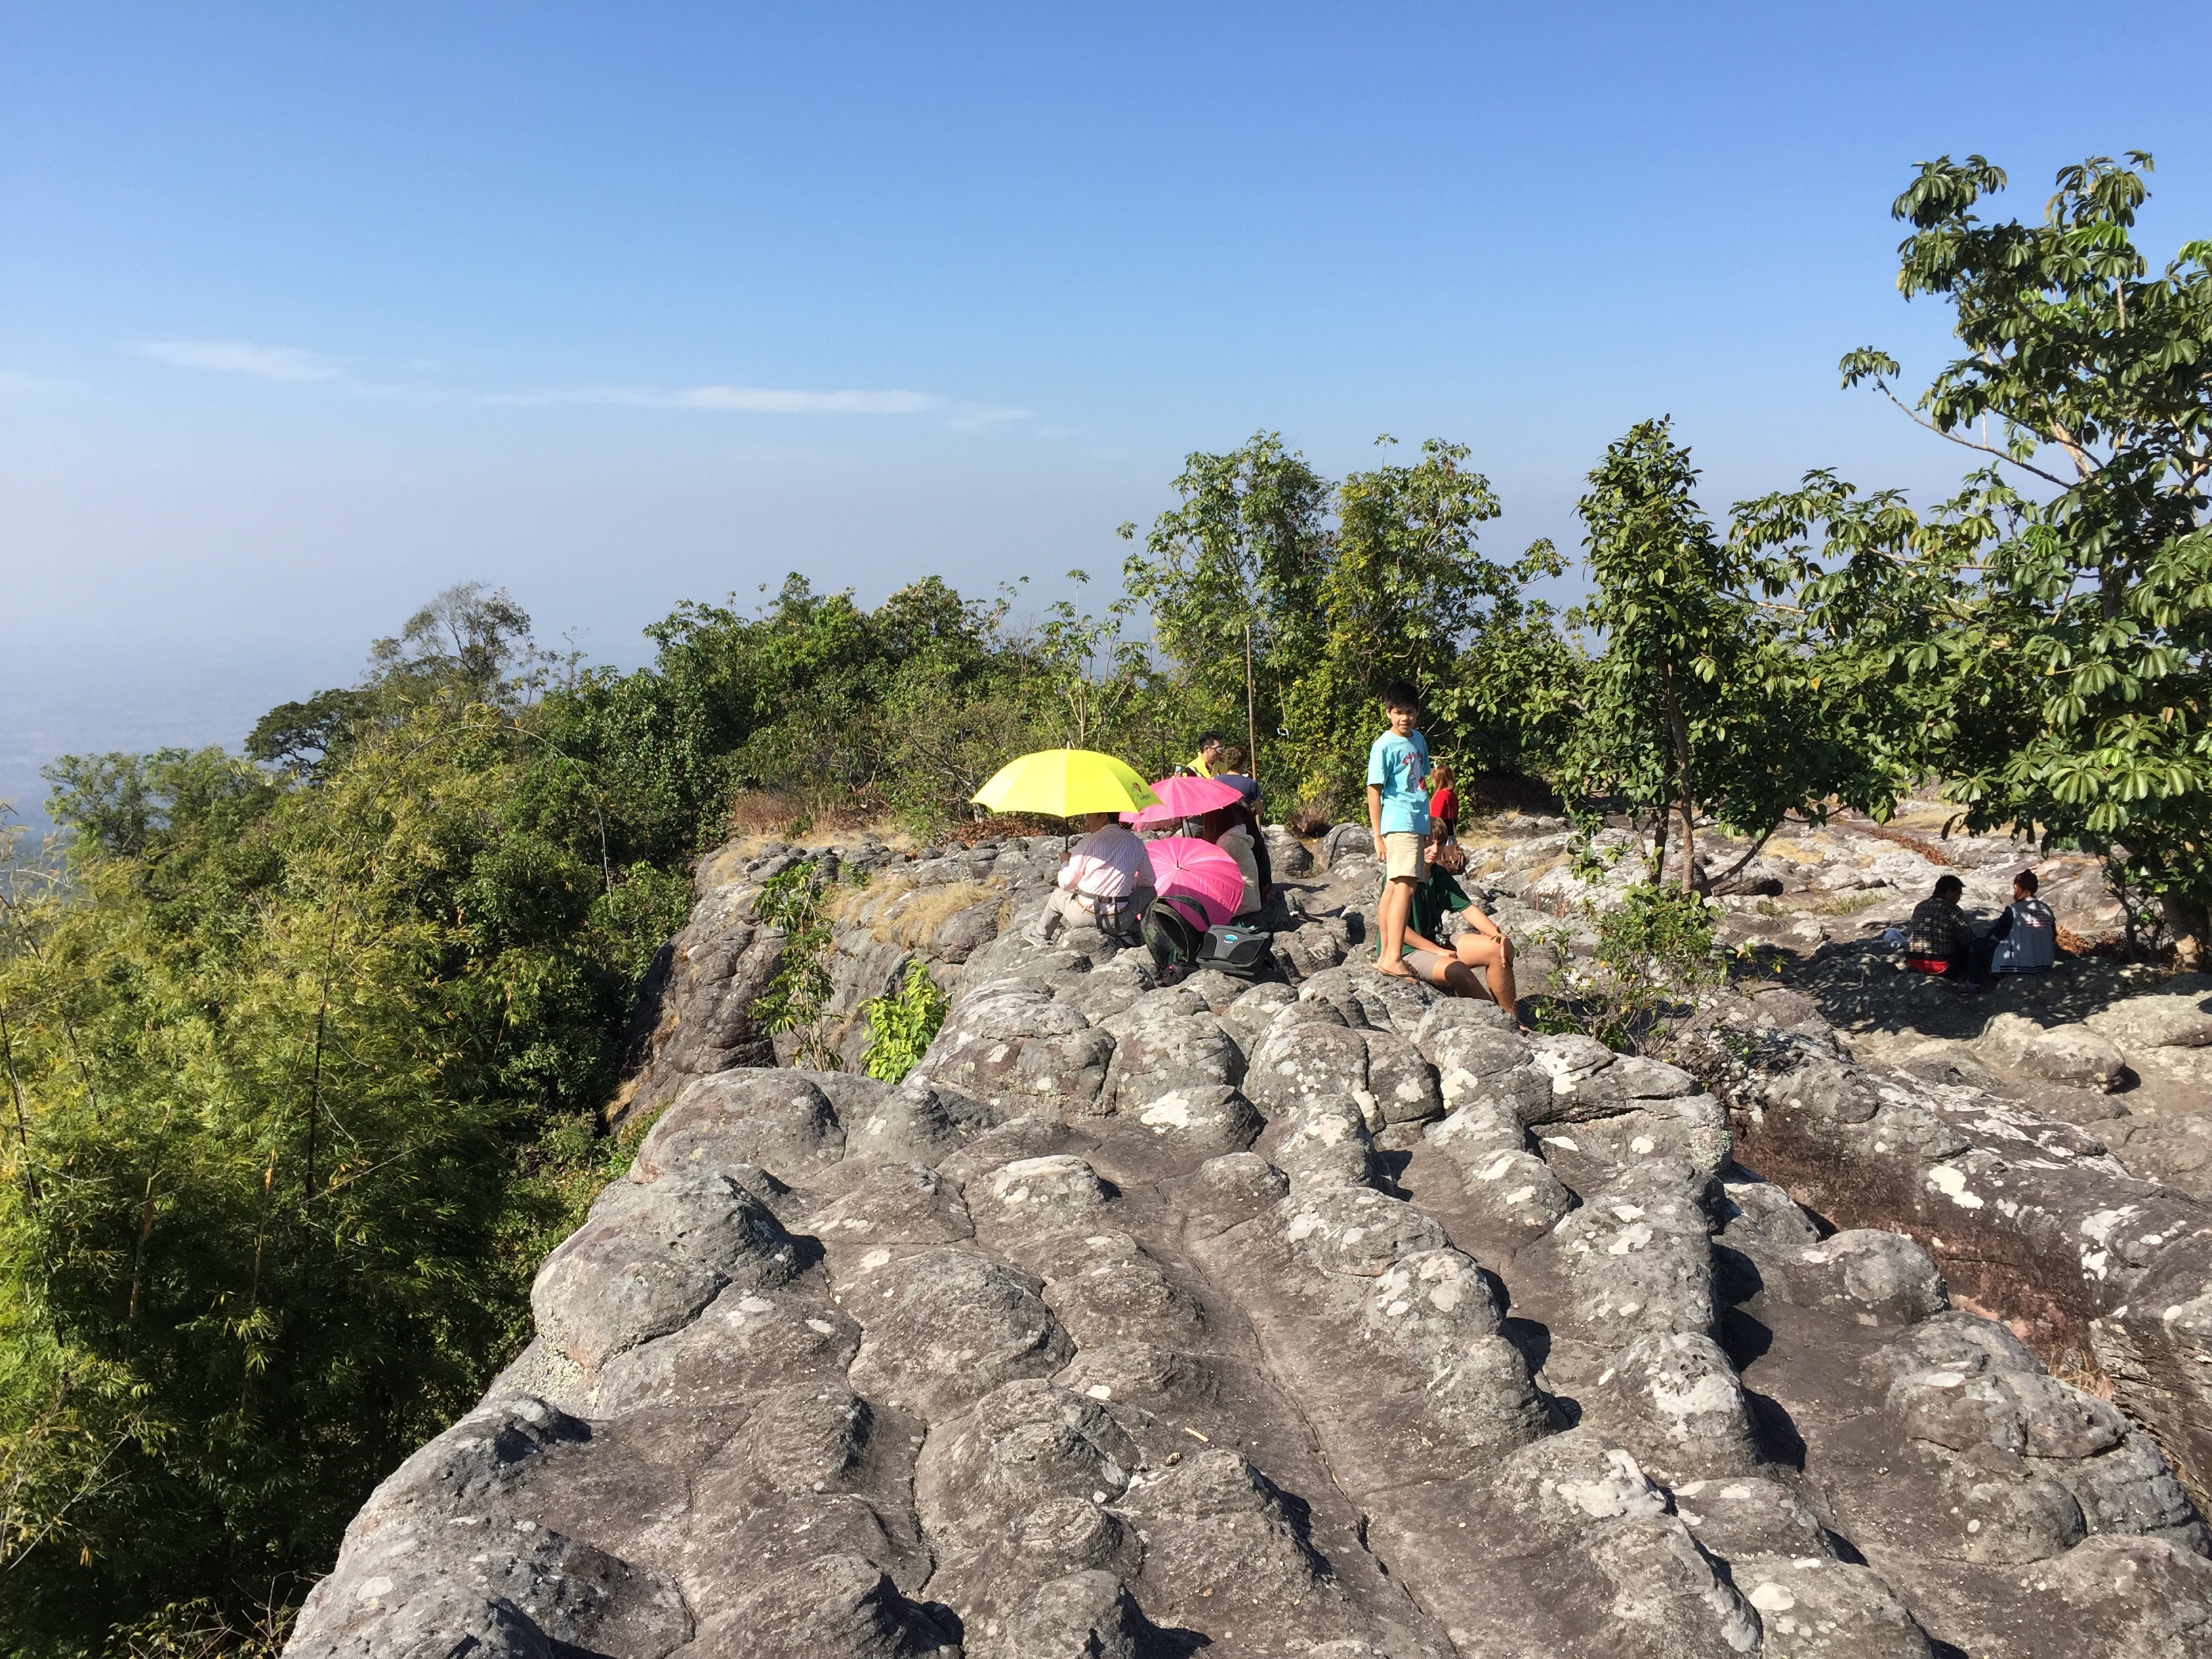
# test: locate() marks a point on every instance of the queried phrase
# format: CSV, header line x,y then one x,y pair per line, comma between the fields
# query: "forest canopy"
x,y
305,1047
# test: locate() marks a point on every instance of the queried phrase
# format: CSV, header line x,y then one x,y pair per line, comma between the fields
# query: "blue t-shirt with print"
x,y
1397,765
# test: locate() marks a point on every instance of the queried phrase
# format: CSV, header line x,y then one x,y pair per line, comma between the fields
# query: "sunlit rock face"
x,y
1324,1316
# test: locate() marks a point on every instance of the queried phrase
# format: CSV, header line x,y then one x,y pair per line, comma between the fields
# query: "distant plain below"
x,y
90,696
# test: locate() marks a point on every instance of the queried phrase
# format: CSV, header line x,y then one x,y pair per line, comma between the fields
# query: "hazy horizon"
x,y
305,315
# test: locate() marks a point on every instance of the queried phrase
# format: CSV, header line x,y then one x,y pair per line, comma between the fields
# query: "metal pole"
x,y
1251,714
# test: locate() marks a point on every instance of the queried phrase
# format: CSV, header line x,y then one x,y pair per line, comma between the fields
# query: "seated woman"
x,y
2024,939
1230,829
1482,945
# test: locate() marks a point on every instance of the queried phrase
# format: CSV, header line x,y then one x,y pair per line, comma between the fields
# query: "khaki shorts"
x,y
1403,856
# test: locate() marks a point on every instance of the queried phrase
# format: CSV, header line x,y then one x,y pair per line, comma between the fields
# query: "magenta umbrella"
x,y
1190,868
1185,798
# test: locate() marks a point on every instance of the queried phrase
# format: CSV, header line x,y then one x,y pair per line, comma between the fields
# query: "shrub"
x,y
1655,952
901,1027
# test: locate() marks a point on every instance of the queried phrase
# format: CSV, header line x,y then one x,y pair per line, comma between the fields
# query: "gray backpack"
x,y
2031,943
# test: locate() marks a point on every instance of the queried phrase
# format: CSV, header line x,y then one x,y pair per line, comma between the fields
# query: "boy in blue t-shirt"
x,y
1398,817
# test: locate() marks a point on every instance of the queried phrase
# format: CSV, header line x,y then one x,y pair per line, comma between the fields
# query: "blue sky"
x,y
308,311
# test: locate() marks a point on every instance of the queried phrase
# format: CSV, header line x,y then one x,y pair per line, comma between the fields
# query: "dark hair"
x,y
1212,826
1205,738
1948,883
1232,755
1399,695
2024,879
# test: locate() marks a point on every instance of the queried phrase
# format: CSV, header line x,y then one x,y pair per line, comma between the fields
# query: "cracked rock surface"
x,y
1319,1317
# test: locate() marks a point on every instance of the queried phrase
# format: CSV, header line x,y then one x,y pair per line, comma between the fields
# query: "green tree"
x,y
1095,672
291,1065
1708,696
2067,591
1233,577
1396,587
1409,595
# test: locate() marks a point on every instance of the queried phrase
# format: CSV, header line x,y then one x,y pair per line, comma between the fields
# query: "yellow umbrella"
x,y
1062,782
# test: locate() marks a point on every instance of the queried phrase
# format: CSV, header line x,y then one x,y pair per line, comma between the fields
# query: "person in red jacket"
x,y
1443,803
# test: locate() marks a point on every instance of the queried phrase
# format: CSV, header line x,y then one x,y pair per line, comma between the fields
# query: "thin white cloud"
x,y
288,363
974,417
244,357
774,400
769,400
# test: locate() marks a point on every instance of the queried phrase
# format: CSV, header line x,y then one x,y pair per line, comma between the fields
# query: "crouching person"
x,y
1939,939
1105,882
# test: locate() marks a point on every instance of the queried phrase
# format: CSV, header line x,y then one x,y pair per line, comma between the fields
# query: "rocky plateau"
x,y
1327,1316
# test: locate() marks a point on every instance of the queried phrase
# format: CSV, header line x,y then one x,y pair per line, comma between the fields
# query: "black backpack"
x,y
1241,952
1175,932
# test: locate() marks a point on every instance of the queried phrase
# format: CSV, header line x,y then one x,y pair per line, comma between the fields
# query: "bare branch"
x,y
1919,419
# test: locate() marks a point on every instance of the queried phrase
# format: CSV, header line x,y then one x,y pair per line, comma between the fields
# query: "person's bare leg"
x,y
1493,954
1457,977
1390,922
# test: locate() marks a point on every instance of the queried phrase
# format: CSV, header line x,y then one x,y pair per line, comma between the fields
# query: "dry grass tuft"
x,y
1787,847
1850,902
913,921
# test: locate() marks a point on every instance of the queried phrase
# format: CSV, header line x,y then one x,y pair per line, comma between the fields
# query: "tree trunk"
x,y
2186,921
1251,708
1678,729
1736,869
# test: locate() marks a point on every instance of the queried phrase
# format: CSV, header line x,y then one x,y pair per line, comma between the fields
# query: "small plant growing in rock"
x,y
799,990
902,1026
1654,952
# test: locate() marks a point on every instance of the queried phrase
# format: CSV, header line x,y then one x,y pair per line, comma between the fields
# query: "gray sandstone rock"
x,y
1589,1561
1738,1517
1672,1399
1199,1123
2076,1055
1639,1254
1402,1082
1947,1062
2179,1016
1287,852
1816,1607
1883,1274
650,1258
839,1607
1165,1056
443,1556
1346,840
1113,1330
1247,1019
1299,1064
779,1121
1355,1231
948,1325
2142,1595
1083,1615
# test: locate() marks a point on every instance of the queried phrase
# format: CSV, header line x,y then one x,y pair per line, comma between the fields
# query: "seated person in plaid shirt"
x,y
1940,940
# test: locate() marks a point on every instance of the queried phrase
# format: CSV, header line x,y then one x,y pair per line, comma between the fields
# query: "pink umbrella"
x,y
1190,868
1185,798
